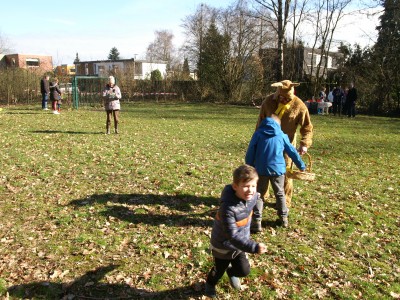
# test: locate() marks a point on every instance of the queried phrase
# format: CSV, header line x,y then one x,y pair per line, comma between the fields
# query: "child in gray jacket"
x,y
230,237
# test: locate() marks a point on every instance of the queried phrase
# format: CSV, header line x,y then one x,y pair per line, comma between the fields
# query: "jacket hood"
x,y
269,127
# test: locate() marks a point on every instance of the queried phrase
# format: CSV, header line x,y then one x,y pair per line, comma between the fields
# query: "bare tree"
x,y
280,10
326,15
245,40
299,12
4,44
162,47
195,27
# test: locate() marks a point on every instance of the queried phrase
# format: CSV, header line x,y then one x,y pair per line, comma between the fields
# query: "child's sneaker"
x,y
210,290
235,282
283,221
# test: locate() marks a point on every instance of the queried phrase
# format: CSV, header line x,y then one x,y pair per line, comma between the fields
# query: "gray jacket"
x,y
231,230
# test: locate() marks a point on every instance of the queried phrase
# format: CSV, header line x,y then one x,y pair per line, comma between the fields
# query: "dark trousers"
x,y
351,109
336,107
44,100
240,267
277,183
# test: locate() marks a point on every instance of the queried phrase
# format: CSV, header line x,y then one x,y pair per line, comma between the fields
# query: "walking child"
x,y
230,237
266,153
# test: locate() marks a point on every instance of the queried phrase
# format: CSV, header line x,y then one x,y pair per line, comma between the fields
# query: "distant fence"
x,y
20,86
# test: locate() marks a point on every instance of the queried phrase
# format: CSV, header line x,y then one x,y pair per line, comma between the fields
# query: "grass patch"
x,y
86,214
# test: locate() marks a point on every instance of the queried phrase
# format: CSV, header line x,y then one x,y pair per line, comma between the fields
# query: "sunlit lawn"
x,y
84,215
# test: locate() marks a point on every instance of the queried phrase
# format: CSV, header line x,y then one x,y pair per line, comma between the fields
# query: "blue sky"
x,y
91,28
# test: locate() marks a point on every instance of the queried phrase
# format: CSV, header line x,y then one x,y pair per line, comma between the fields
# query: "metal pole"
x,y
75,99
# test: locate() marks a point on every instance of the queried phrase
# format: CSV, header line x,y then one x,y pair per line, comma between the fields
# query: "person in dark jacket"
x,y
230,236
45,91
351,99
266,153
55,95
338,95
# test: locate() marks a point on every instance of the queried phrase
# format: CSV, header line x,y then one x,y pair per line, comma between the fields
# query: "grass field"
x,y
84,215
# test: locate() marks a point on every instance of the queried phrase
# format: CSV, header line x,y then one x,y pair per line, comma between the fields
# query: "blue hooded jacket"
x,y
266,148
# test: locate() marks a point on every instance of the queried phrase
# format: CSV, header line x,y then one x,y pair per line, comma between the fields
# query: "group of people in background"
x,y
338,101
50,90
343,100
111,95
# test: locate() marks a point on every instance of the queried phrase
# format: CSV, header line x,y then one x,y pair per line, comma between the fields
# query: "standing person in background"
x,y
344,104
112,95
45,90
330,99
337,100
330,96
322,94
55,95
321,99
351,99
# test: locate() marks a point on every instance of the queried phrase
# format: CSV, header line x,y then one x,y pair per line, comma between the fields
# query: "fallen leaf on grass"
x,y
395,295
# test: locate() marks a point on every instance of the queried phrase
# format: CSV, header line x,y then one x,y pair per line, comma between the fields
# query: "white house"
x,y
140,69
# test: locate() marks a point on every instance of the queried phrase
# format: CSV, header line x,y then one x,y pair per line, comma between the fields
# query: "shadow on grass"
x,y
155,209
66,132
270,223
89,286
22,113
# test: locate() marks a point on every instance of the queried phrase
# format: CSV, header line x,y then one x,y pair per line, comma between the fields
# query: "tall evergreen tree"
x,y
114,54
213,59
386,56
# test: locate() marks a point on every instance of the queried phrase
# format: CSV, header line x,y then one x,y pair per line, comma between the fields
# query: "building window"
x,y
32,62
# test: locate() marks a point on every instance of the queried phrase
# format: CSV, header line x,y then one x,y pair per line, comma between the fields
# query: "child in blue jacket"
x,y
266,154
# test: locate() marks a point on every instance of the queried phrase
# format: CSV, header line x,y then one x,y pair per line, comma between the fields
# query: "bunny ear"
x,y
277,84
295,84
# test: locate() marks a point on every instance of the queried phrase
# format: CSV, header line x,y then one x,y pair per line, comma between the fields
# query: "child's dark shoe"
x,y
256,226
283,221
210,291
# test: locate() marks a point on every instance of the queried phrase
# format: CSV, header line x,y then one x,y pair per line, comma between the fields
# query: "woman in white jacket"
x,y
112,95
